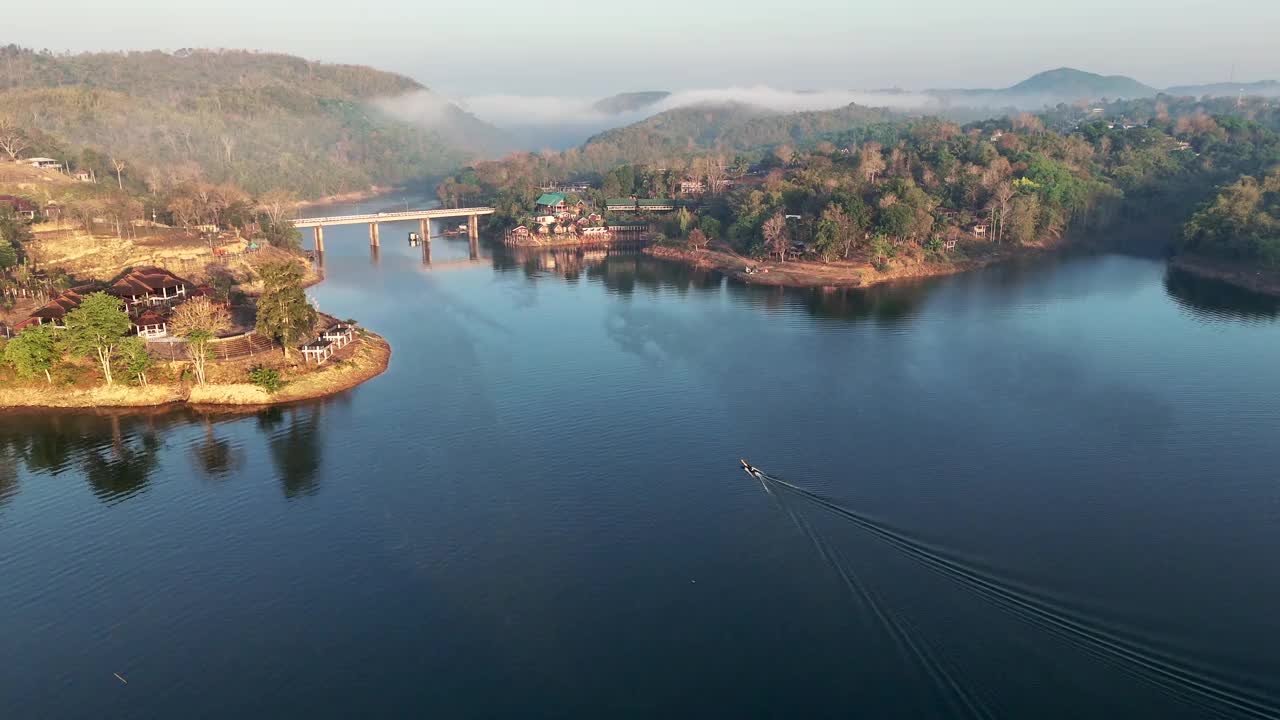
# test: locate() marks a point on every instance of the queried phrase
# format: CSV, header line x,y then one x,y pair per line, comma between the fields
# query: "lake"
x,y
1045,489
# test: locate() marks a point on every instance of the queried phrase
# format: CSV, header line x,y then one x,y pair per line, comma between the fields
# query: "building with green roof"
x,y
551,201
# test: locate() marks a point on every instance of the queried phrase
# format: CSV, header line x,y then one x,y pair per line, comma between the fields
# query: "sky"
x,y
505,47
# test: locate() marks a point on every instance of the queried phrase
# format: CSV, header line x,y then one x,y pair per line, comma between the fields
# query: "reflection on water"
x,y
540,500
118,453
215,457
1213,300
295,442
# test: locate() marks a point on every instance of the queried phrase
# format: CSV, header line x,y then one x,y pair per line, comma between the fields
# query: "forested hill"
x,y
256,120
727,128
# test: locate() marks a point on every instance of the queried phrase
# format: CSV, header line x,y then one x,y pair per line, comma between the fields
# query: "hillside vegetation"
x,y
258,121
1241,224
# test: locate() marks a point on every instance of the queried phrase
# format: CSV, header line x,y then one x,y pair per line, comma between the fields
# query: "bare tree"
x,y
698,239
871,162
277,204
1003,194
715,171
119,166
12,139
199,320
775,236
228,146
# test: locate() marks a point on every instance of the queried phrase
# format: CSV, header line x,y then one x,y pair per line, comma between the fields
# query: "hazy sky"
x,y
537,47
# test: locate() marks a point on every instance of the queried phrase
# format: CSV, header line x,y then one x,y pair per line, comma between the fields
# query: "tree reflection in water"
x,y
124,469
215,457
295,442
1209,299
10,454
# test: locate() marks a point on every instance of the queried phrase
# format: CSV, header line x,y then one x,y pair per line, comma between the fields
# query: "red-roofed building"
x,y
22,207
151,324
146,287
54,312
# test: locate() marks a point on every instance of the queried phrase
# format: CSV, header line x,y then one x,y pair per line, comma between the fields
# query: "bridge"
x,y
424,217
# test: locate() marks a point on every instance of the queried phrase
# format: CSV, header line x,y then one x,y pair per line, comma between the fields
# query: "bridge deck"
x,y
391,216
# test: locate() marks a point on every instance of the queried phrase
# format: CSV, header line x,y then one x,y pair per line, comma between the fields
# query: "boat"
x,y
750,469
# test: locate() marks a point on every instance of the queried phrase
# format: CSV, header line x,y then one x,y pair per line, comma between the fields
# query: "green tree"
x,y
135,357
709,227
684,220
96,328
1024,218
280,233
33,351
8,255
284,314
897,220
13,229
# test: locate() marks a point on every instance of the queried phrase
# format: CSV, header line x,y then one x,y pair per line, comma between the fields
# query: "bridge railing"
x,y
389,216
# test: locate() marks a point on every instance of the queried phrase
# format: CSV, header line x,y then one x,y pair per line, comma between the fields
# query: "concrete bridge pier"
x,y
318,234
375,255
473,227
373,235
426,254
425,231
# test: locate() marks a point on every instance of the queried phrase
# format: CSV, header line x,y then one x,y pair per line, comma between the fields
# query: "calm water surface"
x,y
1062,480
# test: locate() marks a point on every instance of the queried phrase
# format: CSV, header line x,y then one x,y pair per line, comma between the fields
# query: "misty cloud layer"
x,y
507,110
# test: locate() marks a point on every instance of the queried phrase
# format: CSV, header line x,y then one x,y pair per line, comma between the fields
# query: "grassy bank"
x,y
363,360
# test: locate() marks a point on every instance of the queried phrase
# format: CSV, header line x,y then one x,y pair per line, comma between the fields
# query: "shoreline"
x,y
1241,276
370,359
805,274
348,197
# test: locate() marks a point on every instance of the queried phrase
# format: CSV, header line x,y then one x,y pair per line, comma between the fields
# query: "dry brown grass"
x,y
78,384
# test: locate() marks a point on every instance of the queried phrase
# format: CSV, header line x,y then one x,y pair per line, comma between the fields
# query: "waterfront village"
x,y
562,217
575,222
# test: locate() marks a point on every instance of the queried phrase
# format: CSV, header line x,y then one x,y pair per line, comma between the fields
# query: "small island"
x,y
208,314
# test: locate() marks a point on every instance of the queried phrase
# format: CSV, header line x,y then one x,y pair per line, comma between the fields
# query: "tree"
x,y
136,359
1004,193
871,162
119,166
33,351
836,233
1024,217
280,233
13,228
277,205
12,139
96,328
775,236
199,320
8,255
697,239
284,314
709,227
897,220
684,220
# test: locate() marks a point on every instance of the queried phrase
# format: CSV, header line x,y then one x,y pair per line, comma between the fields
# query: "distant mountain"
x,y
257,120
1263,88
630,102
1080,85
1050,88
727,128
